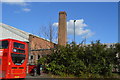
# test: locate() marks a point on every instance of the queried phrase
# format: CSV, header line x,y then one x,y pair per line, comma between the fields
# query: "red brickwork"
x,y
36,43
62,30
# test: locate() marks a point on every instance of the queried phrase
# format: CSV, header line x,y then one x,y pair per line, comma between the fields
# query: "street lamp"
x,y
74,30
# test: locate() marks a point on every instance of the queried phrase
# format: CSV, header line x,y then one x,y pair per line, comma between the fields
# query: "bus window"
x,y
18,59
18,50
19,45
4,44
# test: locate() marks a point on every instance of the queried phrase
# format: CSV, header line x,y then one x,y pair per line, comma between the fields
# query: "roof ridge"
x,y
8,26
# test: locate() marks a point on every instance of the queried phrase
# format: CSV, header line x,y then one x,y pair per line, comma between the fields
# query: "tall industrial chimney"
x,y
62,30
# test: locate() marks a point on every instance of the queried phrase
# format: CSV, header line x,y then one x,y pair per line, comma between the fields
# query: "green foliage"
x,y
82,61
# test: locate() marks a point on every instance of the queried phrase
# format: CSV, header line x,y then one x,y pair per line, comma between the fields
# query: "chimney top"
x,y
62,12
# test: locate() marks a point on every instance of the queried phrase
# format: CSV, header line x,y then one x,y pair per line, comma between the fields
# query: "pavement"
x,y
43,75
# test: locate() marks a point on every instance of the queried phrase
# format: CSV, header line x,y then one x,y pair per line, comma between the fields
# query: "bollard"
x,y
41,70
35,72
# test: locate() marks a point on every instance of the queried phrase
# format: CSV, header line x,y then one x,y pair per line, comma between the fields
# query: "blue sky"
x,y
96,20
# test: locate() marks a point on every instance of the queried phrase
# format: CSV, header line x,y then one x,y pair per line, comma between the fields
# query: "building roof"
x,y
13,33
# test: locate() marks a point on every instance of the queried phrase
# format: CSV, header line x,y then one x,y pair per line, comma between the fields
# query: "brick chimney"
x,y
62,30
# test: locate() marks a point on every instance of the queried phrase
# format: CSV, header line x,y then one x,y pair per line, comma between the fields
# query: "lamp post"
x,y
74,30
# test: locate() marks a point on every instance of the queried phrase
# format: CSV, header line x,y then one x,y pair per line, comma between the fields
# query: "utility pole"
x,y
74,30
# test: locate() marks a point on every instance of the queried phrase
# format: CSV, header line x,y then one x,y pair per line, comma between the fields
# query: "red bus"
x,y
13,59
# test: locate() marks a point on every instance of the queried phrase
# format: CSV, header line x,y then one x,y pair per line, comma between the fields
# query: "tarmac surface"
x,y
43,75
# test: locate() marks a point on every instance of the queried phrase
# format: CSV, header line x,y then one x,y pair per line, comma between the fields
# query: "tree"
x,y
48,32
117,49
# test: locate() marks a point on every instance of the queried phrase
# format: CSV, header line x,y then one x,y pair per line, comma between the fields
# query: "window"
x,y
18,50
18,59
31,57
4,44
19,45
38,56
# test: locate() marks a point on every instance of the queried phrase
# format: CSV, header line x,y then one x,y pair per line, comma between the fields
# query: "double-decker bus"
x,y
13,59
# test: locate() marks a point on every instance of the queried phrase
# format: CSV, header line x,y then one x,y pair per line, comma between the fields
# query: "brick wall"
x,y
36,43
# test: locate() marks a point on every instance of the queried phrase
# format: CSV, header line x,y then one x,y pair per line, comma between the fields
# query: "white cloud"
x,y
55,40
80,28
21,3
89,34
15,2
55,24
26,9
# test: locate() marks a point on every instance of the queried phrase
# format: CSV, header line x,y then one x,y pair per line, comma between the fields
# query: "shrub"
x,y
91,60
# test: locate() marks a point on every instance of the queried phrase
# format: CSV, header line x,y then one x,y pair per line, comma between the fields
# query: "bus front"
x,y
13,59
18,59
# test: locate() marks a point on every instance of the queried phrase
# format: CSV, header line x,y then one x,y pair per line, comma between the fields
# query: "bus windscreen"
x,y
4,44
18,59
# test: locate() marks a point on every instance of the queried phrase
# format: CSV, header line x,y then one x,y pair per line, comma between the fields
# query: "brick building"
x,y
38,48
